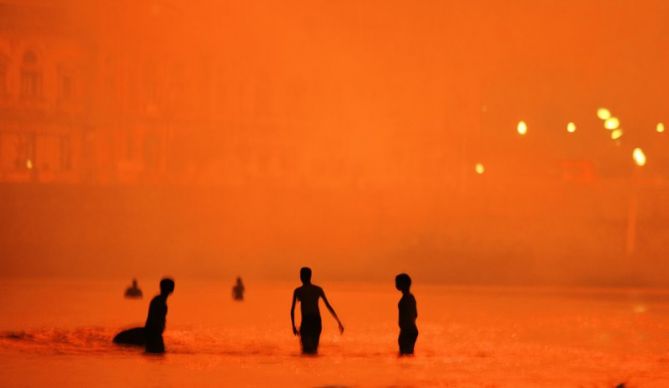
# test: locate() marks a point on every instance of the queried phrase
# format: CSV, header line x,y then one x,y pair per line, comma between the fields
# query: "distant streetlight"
x,y
603,113
660,127
612,123
616,134
639,157
571,127
479,168
521,128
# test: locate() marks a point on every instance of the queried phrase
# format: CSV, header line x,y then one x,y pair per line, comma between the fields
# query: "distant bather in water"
x,y
238,290
133,291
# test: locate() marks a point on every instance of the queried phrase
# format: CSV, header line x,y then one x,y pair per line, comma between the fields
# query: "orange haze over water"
x,y
211,139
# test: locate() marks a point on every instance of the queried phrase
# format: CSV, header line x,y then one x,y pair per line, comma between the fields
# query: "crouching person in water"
x,y
155,321
407,315
310,328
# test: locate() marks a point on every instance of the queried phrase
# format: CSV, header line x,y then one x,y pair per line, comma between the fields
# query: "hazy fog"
x,y
344,135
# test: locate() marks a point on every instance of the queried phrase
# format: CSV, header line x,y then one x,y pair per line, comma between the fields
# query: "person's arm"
x,y
292,313
332,311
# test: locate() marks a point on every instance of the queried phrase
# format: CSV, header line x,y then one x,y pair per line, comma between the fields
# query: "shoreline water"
x,y
469,337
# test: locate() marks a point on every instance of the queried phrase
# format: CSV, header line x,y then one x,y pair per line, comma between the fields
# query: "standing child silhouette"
x,y
407,315
155,320
310,327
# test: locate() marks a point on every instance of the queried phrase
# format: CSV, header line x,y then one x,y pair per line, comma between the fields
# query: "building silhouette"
x,y
120,94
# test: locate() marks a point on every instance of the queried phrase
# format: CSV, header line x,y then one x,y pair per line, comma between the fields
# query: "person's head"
x,y
305,275
166,286
403,282
134,282
239,280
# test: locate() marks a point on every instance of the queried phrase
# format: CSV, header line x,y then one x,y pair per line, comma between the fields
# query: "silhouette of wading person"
x,y
407,315
238,290
133,291
155,321
310,327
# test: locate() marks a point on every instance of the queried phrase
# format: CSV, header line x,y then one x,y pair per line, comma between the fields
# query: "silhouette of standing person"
x,y
407,315
155,321
238,290
310,327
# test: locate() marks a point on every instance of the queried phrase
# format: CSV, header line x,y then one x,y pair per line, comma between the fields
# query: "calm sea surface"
x,y
58,333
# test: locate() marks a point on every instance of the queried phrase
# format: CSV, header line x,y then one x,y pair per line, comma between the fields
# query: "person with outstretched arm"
x,y
310,328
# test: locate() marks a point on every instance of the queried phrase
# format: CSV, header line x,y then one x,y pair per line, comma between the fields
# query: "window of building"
x,y
3,76
66,87
65,153
31,76
30,58
25,152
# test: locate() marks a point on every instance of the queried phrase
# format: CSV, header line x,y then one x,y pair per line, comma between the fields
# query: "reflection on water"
x,y
469,337
54,340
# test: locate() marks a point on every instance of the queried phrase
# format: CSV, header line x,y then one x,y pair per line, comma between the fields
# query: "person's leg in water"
x,y
310,333
154,343
407,341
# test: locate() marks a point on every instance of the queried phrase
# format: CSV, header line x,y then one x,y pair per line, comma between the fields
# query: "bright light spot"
x,y
571,127
616,134
29,164
612,123
639,157
660,127
640,309
479,168
522,128
603,114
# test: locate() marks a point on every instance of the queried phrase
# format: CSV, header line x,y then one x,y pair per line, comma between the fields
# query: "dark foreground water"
x,y
58,333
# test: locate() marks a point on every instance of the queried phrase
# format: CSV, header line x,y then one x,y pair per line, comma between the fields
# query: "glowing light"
x,y
639,157
616,134
660,127
612,123
522,128
479,168
640,309
603,114
571,127
29,164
